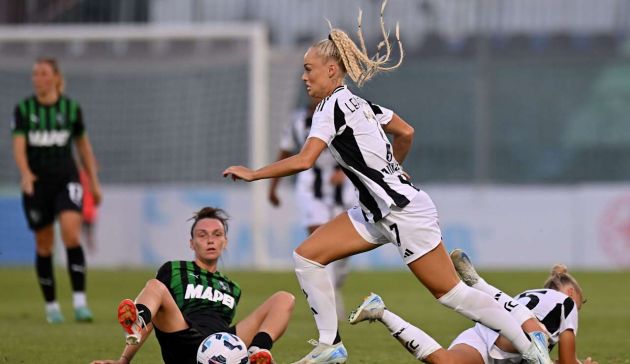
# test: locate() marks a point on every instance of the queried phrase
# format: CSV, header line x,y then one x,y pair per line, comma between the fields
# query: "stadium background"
x,y
520,110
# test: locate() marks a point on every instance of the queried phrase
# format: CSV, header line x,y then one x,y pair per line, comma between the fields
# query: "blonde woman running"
x,y
392,209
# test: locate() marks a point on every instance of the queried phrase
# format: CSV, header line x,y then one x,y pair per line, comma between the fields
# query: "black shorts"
x,y
181,347
49,198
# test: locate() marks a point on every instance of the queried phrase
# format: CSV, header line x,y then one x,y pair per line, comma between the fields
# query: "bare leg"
x,y
165,314
332,241
436,272
271,317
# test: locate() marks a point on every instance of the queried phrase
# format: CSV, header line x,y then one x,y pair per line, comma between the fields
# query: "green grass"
x,y
25,337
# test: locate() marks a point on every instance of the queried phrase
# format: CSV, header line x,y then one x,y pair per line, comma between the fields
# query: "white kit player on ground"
x,y
322,192
556,306
392,209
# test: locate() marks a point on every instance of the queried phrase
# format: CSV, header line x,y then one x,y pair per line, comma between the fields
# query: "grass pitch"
x,y
25,337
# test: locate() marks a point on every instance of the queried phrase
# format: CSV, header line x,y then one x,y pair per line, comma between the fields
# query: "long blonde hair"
x,y
354,61
52,62
560,277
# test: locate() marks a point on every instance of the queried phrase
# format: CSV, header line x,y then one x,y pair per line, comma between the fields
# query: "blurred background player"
x,y
392,209
189,300
556,306
322,192
45,125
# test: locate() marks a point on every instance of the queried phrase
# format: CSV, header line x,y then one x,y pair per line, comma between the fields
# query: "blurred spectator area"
x,y
448,24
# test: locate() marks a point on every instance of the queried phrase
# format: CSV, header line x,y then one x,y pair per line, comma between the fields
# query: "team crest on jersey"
x,y
224,286
34,118
61,120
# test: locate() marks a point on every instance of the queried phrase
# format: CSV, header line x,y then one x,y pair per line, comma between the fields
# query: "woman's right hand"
x,y
28,180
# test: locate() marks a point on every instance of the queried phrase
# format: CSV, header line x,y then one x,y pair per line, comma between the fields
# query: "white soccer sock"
x,y
479,306
79,299
518,311
52,306
320,295
416,341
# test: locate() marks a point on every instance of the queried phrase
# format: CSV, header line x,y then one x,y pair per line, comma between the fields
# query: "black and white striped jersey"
x,y
315,181
557,311
352,128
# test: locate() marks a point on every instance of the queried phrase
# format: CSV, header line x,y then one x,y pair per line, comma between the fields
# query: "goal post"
x,y
222,44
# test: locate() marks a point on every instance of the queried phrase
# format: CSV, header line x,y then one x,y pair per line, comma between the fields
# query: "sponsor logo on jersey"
x,y
48,138
198,292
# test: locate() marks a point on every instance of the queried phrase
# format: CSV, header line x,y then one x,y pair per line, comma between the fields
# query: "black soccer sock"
x,y
144,312
76,268
44,268
337,338
262,340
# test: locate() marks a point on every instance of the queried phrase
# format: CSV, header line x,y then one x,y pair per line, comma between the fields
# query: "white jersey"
x,y
352,129
557,311
313,184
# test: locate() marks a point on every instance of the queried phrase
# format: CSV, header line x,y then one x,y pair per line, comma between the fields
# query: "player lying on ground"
x,y
189,300
555,306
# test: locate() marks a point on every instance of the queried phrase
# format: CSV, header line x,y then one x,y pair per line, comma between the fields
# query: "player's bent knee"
x,y
156,285
283,299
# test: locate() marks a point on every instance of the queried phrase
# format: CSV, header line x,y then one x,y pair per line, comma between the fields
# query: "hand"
x,y
239,172
273,198
337,178
407,176
590,361
96,192
119,361
27,182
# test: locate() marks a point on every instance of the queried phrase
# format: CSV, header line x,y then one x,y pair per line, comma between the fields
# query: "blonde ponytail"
x,y
560,277
354,61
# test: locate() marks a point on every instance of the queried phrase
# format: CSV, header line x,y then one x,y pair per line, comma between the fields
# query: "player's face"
x,y
209,240
44,78
318,74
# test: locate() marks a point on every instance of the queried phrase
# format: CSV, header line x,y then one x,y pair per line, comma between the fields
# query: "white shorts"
x,y
414,229
482,339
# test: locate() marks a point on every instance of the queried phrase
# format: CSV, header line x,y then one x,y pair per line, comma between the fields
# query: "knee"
x,y
156,285
283,299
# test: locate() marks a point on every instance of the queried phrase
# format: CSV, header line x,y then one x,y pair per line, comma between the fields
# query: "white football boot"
x,y
370,309
325,354
464,267
538,352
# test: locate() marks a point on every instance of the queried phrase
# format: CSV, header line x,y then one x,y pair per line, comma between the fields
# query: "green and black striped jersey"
x,y
201,296
49,130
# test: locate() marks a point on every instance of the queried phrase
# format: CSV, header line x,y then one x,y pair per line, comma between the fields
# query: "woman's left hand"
x,y
96,192
239,172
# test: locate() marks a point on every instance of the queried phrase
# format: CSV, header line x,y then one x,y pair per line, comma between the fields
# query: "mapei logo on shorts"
x,y
197,291
48,138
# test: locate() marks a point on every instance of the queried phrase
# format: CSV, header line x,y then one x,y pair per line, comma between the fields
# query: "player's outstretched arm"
x,y
130,350
286,167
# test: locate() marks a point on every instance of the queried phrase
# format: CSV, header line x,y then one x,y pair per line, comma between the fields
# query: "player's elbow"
x,y
304,162
407,132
